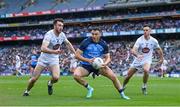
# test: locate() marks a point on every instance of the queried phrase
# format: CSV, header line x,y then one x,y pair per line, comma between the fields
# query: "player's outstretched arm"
x,y
160,52
80,57
70,46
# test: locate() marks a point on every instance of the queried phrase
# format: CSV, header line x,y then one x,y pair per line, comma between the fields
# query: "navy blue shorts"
x,y
90,69
33,66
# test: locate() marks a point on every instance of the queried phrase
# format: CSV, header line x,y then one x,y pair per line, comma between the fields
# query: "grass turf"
x,y
161,92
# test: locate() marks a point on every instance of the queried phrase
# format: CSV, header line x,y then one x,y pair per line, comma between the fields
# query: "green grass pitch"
x,y
161,92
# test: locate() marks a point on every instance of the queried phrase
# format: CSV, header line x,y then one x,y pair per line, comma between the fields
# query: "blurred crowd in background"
x,y
82,30
120,54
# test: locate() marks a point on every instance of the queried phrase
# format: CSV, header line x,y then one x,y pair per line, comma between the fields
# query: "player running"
x,y
50,55
143,50
18,65
163,68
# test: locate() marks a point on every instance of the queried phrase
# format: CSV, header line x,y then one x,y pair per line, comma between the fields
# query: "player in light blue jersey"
x,y
89,49
33,61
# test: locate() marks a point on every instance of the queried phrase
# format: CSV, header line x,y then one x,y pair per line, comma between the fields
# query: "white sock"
x,y
144,85
26,91
49,83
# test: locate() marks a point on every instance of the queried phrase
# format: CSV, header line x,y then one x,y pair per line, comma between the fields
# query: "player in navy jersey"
x,y
89,49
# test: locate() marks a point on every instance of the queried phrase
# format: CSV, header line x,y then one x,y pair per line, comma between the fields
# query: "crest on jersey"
x,y
55,47
145,50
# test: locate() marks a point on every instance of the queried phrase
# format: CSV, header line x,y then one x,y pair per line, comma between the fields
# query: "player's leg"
x,y
78,75
34,78
18,71
31,70
146,69
107,72
162,71
55,77
130,73
55,69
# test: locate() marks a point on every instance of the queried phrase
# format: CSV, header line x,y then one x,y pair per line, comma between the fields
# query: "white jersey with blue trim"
x,y
54,43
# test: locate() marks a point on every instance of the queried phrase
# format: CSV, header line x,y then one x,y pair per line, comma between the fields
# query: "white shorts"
x,y
73,65
139,64
47,62
18,67
164,68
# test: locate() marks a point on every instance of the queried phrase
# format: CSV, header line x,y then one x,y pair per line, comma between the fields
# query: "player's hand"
x,y
140,57
91,60
103,65
58,51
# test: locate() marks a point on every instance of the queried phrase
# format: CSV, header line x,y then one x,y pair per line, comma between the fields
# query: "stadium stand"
x,y
44,5
81,31
120,52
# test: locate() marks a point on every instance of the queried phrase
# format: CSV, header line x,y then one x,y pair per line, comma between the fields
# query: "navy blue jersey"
x,y
92,49
34,58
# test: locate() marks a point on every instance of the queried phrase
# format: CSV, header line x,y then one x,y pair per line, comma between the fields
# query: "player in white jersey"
x,y
18,66
143,50
49,57
163,67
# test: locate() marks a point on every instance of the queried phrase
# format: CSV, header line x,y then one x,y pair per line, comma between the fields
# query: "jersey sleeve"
x,y
83,44
64,37
47,38
137,43
156,44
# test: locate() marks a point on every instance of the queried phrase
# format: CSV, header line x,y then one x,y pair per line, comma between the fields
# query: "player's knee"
x,y
113,77
56,78
33,80
76,76
146,70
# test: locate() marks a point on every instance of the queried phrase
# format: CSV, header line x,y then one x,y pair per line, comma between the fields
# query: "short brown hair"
x,y
58,20
146,26
95,28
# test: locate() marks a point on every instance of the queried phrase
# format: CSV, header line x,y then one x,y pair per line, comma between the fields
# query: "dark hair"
x,y
58,20
146,26
96,29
